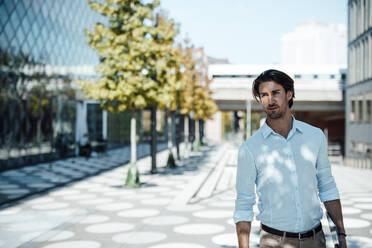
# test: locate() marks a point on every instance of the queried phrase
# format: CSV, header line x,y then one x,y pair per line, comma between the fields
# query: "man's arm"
x,y
243,229
246,197
335,212
328,192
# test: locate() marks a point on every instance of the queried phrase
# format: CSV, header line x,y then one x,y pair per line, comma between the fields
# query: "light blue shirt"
x,y
290,176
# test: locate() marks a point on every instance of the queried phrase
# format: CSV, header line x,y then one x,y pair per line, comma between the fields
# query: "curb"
x,y
194,186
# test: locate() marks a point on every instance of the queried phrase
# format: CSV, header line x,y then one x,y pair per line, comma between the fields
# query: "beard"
x,y
274,112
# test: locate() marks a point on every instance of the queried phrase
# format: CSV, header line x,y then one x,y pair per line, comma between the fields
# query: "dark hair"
x,y
276,76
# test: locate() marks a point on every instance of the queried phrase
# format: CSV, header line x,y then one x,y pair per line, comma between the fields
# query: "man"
x,y
288,163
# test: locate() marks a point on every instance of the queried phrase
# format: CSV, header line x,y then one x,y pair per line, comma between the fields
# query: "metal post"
x,y
104,124
249,109
153,139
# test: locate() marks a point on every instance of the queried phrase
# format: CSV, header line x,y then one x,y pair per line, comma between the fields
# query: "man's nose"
x,y
271,99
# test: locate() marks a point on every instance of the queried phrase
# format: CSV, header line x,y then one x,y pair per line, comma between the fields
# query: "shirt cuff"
x,y
329,195
243,215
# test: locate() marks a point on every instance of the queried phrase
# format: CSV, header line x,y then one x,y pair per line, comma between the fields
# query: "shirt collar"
x,y
267,130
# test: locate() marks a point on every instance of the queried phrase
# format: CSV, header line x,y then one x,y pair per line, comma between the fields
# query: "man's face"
x,y
274,99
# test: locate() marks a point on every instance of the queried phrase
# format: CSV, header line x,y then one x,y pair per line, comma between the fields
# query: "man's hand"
x,y
243,229
335,212
342,241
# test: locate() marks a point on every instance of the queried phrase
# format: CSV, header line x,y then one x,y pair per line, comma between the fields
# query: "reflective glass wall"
x,y
42,52
43,115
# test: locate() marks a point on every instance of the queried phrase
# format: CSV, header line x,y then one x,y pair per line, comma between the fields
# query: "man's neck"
x,y
282,125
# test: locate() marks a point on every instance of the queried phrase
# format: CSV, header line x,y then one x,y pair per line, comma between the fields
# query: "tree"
x,y
165,72
174,90
196,96
134,61
204,107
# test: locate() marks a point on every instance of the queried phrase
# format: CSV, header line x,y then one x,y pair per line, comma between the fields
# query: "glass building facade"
x,y
43,50
359,85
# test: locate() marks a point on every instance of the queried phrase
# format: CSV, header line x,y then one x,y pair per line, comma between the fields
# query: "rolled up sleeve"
x,y
245,186
326,184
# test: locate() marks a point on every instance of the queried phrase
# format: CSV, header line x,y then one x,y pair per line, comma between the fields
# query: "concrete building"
x,y
358,93
315,43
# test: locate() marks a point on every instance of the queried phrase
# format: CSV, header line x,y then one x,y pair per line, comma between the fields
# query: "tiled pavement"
x,y
99,212
20,183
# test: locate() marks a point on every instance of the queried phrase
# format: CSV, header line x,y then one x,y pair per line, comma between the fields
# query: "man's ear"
x,y
289,95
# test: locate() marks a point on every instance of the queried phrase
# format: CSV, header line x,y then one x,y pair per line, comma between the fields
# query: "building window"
x,y
369,150
352,146
360,111
315,76
370,54
297,76
352,111
362,60
359,147
370,13
368,110
366,14
332,76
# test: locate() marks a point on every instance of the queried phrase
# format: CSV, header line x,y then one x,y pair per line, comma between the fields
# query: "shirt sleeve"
x,y
245,186
326,184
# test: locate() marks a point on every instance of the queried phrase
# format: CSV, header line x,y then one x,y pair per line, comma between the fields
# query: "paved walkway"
x,y
190,207
20,183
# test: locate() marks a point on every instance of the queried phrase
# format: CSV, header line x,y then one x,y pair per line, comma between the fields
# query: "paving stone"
x,y
99,212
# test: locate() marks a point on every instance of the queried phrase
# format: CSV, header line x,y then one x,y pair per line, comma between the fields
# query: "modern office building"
x,y
43,51
315,43
358,92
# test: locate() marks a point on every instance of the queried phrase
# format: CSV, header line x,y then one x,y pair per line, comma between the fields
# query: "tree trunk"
x,y
177,132
38,133
186,120
197,136
133,145
201,131
153,139
173,129
132,179
169,130
171,163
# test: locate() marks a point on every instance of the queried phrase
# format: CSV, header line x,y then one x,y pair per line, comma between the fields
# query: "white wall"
x,y
315,43
213,128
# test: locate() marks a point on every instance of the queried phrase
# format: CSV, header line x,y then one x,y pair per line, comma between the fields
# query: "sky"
x,y
248,31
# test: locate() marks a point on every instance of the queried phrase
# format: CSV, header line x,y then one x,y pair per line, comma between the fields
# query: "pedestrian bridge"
x,y
319,88
319,92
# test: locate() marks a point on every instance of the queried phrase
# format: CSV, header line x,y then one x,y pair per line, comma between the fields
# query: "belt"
x,y
307,234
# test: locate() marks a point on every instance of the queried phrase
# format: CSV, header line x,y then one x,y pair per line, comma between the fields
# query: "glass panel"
x,y
3,15
146,121
352,111
118,128
160,121
360,110
94,120
9,32
9,6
